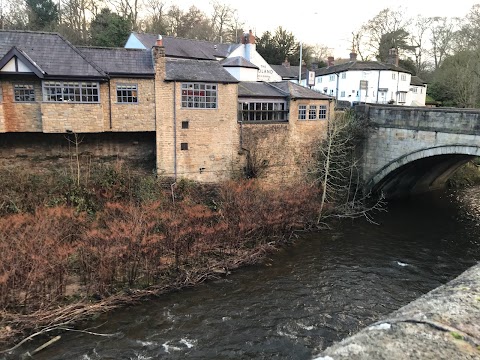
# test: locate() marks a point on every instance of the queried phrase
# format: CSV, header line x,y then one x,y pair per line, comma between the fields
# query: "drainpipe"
x,y
378,84
174,131
110,105
336,93
396,96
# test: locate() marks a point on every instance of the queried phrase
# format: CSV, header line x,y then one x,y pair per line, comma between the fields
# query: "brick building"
x,y
189,114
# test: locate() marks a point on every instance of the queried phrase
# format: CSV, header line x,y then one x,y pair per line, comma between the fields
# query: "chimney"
x,y
286,64
392,57
330,60
159,41
353,56
248,38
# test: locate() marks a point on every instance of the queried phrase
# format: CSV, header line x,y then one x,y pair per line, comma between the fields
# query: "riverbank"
x,y
71,251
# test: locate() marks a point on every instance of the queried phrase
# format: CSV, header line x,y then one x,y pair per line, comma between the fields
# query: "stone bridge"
x,y
416,149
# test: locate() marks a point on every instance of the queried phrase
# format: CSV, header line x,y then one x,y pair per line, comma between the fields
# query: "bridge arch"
x,y
421,170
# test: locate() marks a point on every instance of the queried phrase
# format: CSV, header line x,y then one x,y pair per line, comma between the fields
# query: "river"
x,y
323,288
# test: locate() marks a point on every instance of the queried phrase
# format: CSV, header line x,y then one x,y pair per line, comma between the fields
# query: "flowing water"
x,y
327,286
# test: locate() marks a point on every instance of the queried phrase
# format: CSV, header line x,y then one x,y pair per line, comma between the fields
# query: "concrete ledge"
x,y
442,324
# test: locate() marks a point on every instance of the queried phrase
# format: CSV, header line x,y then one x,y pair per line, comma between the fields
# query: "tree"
x,y
279,46
156,22
109,29
75,20
191,24
442,37
384,27
128,10
418,37
397,39
223,19
14,15
42,14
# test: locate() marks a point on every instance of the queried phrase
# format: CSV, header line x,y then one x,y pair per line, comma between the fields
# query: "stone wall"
x,y
45,151
20,116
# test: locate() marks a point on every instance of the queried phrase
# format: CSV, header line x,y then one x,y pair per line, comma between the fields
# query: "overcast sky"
x,y
327,22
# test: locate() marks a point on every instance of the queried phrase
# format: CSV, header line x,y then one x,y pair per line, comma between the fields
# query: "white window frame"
x,y
403,77
80,92
322,112
302,112
127,93
394,76
197,95
344,75
402,97
332,77
342,94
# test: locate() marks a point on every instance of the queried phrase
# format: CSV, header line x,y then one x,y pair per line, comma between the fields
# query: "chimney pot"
x,y
286,63
353,56
330,61
159,41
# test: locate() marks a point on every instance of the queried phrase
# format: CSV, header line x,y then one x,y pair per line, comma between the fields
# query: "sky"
x,y
327,22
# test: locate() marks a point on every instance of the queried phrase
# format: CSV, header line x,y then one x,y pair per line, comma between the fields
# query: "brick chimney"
x,y
286,64
392,57
330,61
353,56
248,38
159,62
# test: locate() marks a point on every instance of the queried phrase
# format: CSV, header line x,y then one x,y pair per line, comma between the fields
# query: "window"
x,y
24,92
402,97
332,77
199,95
414,90
71,91
344,75
403,77
263,111
312,112
319,79
1,93
302,112
331,92
394,76
183,146
185,124
342,94
127,93
322,112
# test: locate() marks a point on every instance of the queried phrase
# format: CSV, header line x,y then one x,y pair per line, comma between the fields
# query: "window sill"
x,y
263,122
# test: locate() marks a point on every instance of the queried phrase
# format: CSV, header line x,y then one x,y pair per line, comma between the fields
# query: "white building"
x,y
370,82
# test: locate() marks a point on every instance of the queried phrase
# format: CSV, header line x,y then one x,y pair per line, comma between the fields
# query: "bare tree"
x,y
221,19
418,38
442,38
156,22
358,44
128,9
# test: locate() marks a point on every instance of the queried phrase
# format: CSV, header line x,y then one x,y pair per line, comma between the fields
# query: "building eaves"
x,y
358,66
14,52
259,89
238,61
296,91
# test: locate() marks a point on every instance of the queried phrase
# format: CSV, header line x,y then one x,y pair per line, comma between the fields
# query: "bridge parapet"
x,y
448,120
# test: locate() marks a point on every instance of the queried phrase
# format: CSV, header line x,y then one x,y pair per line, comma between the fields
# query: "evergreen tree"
x,y
42,14
109,29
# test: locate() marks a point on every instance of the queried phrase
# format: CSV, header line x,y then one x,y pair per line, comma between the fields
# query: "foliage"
x,y
109,29
280,46
42,14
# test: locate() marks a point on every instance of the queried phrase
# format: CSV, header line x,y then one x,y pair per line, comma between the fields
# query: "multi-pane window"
x,y
127,93
263,111
312,112
332,77
344,75
199,95
403,77
322,112
71,91
394,76
302,112
402,97
342,94
1,93
24,92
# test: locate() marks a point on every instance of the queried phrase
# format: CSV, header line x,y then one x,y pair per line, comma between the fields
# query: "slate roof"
x,y
259,89
188,48
299,92
417,81
286,73
197,70
278,89
358,65
118,61
54,55
238,61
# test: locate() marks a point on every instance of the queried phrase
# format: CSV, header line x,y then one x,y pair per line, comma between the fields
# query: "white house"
x,y
370,82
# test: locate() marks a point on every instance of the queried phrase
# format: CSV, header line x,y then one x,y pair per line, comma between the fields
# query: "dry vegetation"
x,y
68,251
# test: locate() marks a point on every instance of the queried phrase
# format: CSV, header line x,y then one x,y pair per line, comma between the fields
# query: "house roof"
x,y
49,52
197,70
279,89
238,61
299,92
117,61
358,65
286,72
188,48
259,89
417,81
